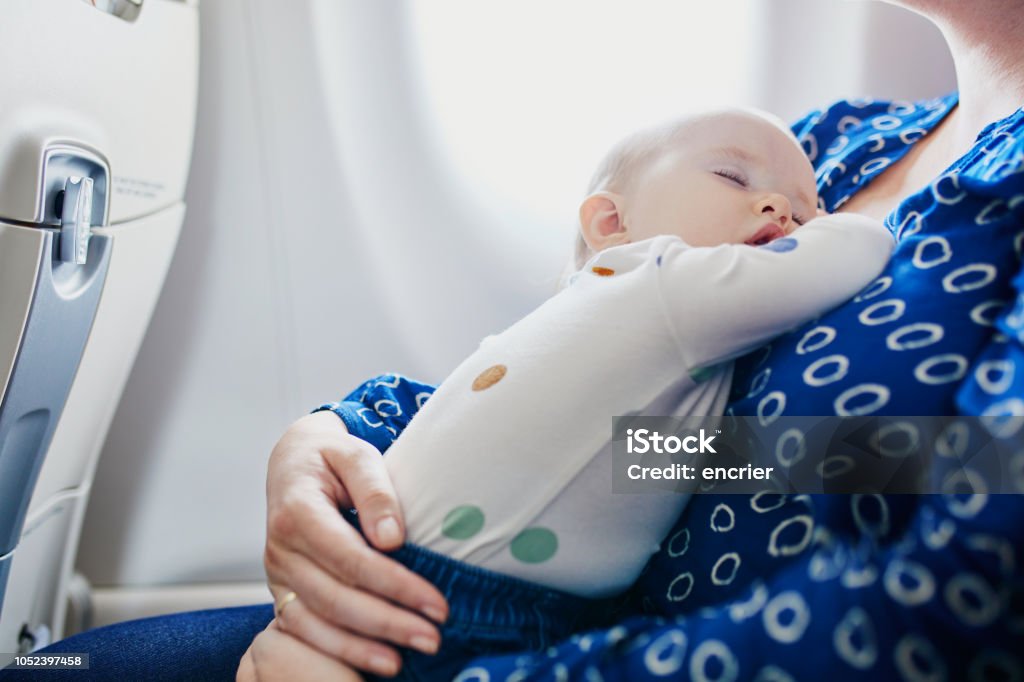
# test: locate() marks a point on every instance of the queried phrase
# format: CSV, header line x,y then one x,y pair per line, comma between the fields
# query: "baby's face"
x,y
740,179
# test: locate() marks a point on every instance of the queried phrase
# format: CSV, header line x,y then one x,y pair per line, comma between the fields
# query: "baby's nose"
x,y
781,217
778,207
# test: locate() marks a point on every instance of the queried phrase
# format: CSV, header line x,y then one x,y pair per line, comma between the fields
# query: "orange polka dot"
x,y
489,377
602,272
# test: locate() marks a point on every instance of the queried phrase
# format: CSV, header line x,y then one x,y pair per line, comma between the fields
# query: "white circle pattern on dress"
x,y
941,369
679,543
776,400
724,576
911,225
950,192
836,367
788,629
775,548
775,500
995,376
895,439
886,122
985,313
850,403
790,448
834,466
713,650
918,661
972,600
857,577
969,277
680,588
921,334
878,143
931,252
813,340
882,312
873,525
387,408
855,640
723,519
899,573
741,611
665,655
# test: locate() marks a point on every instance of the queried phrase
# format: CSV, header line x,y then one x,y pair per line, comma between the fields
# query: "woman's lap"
x,y
197,645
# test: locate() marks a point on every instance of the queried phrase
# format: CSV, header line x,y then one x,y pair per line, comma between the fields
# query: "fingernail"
x,y
383,665
387,531
427,645
433,613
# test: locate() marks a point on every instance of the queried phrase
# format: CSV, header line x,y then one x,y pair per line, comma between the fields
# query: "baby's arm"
x,y
726,300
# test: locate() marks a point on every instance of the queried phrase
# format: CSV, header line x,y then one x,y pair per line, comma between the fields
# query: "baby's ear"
x,y
601,221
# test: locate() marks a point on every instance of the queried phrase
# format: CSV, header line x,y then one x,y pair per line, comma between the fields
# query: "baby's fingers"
x,y
343,645
276,655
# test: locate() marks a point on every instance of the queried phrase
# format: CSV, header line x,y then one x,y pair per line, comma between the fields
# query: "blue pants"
x,y
489,613
199,645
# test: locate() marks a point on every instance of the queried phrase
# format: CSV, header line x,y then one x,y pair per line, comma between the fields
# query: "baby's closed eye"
x,y
735,176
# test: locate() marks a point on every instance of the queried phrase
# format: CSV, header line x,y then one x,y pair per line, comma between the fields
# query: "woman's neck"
x,y
984,38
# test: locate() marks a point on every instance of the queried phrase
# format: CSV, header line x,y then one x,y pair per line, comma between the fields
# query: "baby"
x,y
689,255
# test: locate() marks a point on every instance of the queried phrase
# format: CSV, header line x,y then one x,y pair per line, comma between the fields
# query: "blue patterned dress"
x,y
775,587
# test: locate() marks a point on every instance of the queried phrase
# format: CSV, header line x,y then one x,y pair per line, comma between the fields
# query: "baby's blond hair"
x,y
619,169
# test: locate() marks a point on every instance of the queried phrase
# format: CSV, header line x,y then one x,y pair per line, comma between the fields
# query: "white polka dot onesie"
x,y
508,465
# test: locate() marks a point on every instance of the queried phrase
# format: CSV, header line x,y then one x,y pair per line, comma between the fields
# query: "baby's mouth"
x,y
769,232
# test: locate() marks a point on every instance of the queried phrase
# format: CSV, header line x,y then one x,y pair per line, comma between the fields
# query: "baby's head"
x,y
724,177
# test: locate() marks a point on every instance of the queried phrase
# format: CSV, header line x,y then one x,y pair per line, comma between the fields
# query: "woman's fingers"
x,y
347,592
360,468
277,656
359,652
316,533
353,609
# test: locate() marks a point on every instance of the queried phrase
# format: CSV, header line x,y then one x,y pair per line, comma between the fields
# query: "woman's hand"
x,y
276,655
351,600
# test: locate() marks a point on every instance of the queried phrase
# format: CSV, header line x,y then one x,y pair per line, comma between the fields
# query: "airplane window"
x,y
524,97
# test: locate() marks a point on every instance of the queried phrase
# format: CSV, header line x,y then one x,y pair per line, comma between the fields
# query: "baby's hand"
x,y
820,212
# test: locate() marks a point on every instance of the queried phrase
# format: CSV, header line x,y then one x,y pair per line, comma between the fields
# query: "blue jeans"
x,y
489,613
199,645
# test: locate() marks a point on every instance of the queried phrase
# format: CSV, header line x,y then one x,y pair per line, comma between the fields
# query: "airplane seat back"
x,y
96,129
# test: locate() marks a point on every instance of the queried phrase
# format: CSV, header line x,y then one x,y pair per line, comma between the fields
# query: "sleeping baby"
x,y
699,241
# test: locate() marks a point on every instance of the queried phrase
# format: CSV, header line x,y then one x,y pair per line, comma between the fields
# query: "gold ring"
x,y
285,601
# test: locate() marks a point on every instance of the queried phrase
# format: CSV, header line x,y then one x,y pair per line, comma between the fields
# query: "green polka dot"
x,y
462,522
534,545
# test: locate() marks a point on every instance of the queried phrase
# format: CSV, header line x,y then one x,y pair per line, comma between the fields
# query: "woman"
x,y
894,609
774,588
